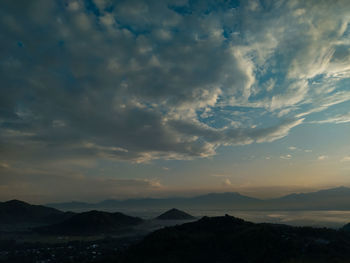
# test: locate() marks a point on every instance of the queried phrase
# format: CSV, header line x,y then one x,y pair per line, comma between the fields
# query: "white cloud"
x,y
338,119
154,183
280,132
345,159
90,145
219,175
322,157
286,157
294,94
226,182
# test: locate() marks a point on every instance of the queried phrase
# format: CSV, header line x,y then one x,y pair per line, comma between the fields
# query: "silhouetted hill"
x,y
92,222
346,228
229,239
175,214
15,212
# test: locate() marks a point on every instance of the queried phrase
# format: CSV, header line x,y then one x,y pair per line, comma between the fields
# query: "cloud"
x,y
277,132
226,182
345,159
338,119
143,80
322,157
286,157
219,175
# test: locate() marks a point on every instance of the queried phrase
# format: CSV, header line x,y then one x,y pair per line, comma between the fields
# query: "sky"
x,y
121,99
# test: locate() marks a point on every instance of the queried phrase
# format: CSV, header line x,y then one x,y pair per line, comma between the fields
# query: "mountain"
x,y
92,222
328,199
16,212
213,200
228,199
229,239
175,214
74,205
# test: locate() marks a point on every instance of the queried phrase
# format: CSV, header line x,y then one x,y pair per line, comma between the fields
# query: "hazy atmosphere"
x,y
121,99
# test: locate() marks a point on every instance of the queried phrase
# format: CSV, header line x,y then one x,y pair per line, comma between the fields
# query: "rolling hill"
x,y
19,212
90,223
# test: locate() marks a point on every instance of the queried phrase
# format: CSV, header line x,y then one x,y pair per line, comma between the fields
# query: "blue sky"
x,y
116,99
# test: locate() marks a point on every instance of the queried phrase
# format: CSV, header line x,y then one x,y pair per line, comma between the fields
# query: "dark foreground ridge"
x,y
175,214
229,239
92,222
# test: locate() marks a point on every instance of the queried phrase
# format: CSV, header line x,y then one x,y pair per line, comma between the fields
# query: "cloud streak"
x,y
338,119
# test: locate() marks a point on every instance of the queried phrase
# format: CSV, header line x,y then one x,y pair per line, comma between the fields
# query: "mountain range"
x,y
329,199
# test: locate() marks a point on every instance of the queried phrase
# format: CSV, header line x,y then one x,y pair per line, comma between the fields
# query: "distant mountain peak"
x,y
175,214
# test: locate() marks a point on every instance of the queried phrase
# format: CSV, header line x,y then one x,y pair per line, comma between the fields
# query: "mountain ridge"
x,y
230,239
326,199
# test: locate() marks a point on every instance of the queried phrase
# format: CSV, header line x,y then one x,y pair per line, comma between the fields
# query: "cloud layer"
x,y
143,80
